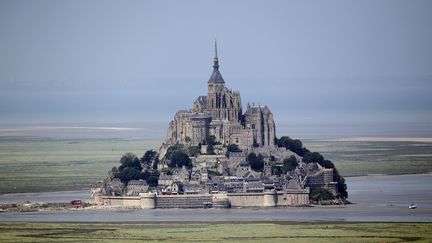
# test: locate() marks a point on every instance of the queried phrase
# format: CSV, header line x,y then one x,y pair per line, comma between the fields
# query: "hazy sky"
x,y
346,64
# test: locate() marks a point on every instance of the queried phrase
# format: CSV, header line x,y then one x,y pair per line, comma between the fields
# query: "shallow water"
x,y
375,198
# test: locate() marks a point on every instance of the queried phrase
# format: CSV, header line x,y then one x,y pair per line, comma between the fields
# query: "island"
x,y
217,155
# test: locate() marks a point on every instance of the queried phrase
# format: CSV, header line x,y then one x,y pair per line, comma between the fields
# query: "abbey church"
x,y
220,114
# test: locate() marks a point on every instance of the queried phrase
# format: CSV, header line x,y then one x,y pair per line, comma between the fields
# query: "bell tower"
x,y
216,85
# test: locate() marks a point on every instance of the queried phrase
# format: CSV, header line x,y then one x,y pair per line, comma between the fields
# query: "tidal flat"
x,y
216,232
41,164
360,157
32,164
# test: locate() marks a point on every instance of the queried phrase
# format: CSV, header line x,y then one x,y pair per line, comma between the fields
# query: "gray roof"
x,y
192,187
202,100
252,110
165,177
216,77
137,182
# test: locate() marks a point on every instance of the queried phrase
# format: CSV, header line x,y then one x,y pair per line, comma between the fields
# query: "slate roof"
x,y
216,77
137,183
202,100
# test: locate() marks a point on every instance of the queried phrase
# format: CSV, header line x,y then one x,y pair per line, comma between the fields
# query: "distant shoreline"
x,y
382,139
155,131
341,139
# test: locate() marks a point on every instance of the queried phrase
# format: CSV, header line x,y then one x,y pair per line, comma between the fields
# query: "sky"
x,y
355,68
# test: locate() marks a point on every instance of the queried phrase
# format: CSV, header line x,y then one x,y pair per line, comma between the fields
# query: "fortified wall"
x,y
289,198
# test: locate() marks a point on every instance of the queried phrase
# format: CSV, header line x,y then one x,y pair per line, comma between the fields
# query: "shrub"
x,y
318,194
128,174
193,151
174,149
180,159
289,164
130,160
232,148
256,162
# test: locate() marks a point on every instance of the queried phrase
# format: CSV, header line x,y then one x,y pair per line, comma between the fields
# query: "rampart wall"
x,y
288,198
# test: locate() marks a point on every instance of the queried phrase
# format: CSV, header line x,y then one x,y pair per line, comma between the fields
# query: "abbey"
x,y
220,115
216,155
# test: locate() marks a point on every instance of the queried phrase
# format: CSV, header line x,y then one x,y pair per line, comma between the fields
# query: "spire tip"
x,y
216,48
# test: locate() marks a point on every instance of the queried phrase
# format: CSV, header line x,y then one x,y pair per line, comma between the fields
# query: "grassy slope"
x,y
217,232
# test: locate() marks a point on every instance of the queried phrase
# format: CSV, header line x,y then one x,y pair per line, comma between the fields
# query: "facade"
x,y
135,187
220,114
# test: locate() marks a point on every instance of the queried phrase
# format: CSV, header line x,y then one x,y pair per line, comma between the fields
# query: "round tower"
x,y
148,200
269,199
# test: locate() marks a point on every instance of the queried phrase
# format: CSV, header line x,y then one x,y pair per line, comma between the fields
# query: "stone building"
x,y
313,175
135,187
220,114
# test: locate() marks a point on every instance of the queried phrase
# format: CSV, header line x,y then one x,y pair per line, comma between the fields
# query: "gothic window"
x,y
217,100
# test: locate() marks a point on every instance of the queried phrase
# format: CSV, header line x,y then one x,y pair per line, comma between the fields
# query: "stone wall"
x,y
290,198
293,197
117,201
182,201
270,199
246,199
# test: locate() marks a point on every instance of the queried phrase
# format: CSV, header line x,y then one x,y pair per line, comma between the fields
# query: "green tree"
x,y
327,164
306,157
174,149
289,164
316,157
153,178
127,174
210,141
155,164
318,194
149,157
193,151
256,162
130,160
341,186
294,145
232,148
179,159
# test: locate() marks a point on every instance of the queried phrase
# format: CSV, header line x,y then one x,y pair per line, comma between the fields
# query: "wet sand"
x,y
375,198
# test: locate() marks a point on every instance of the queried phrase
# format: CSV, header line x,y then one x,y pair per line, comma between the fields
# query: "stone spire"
x,y
216,77
215,60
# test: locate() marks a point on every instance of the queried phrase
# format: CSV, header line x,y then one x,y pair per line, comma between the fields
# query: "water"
x,y
375,198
